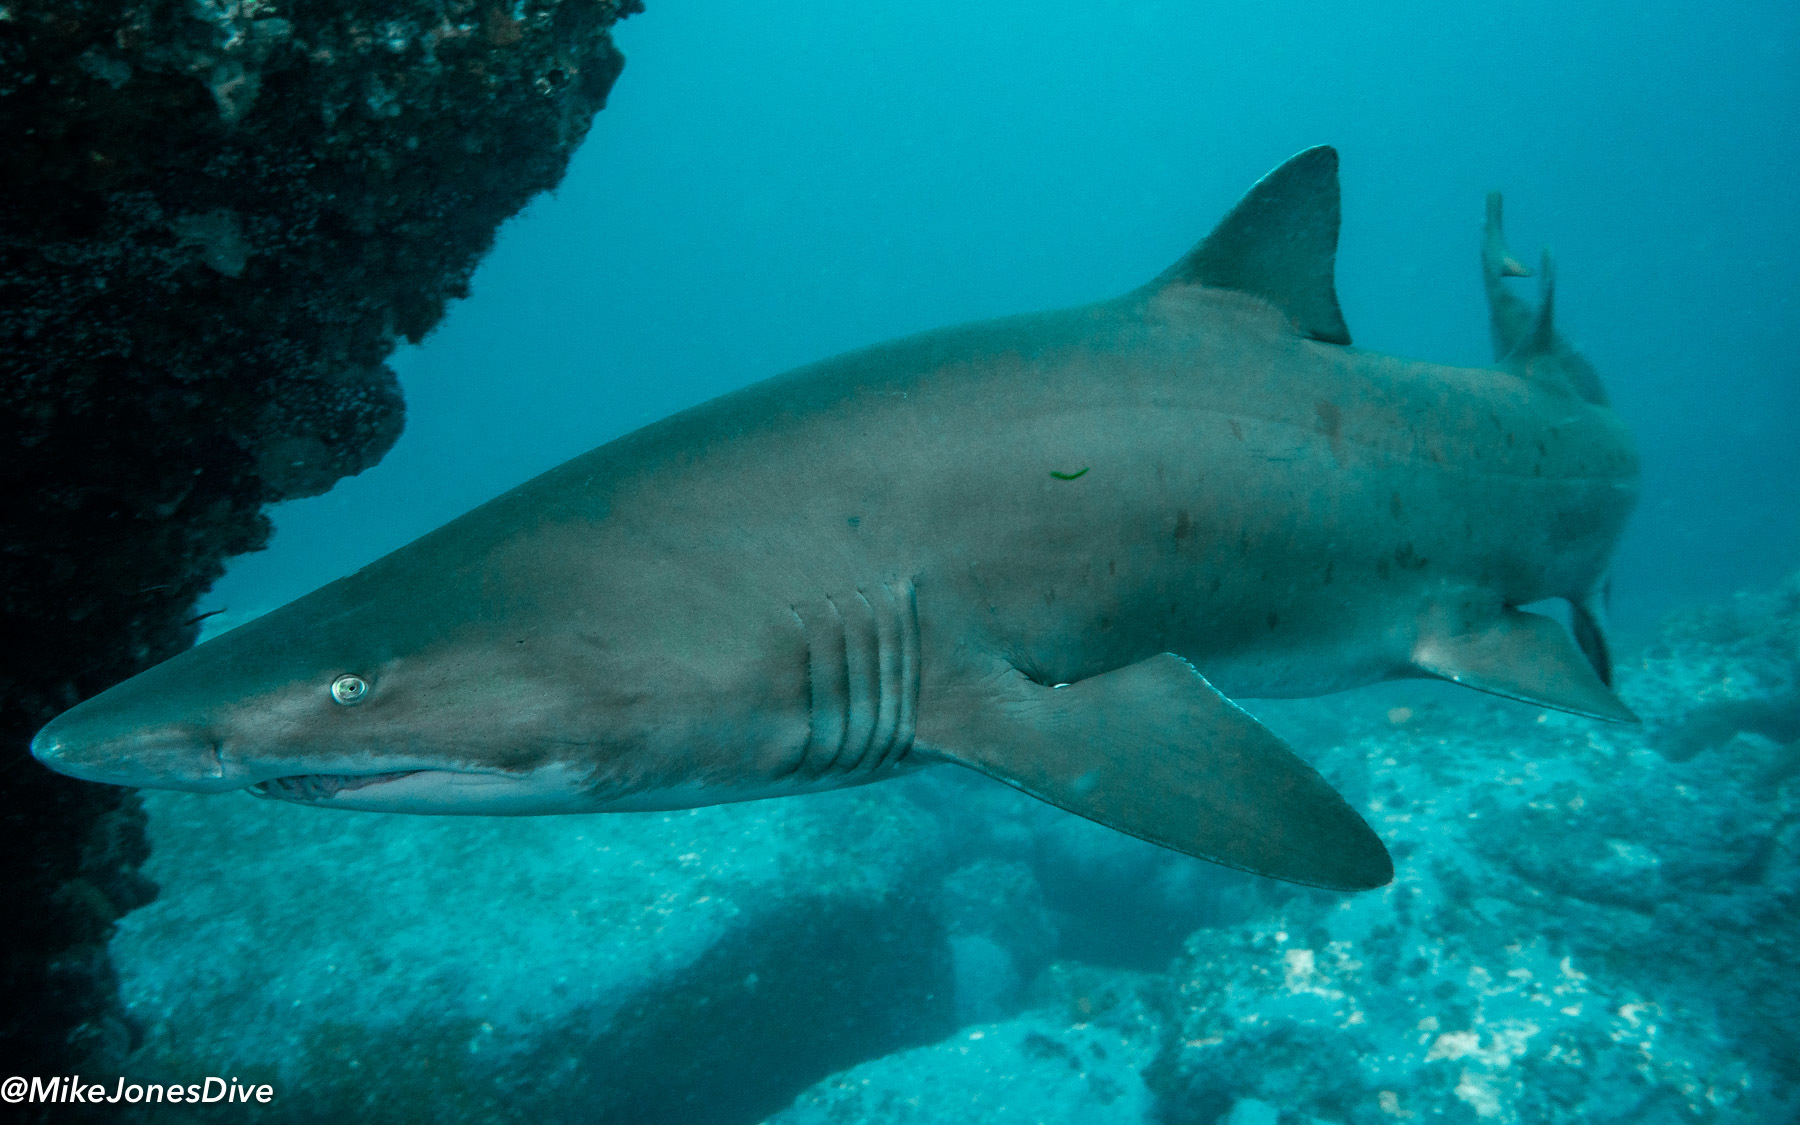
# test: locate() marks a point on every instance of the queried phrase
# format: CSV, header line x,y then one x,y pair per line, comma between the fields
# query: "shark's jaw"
x,y
549,789
198,757
320,786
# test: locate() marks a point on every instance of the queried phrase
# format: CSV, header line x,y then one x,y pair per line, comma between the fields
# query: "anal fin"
x,y
1523,656
1155,751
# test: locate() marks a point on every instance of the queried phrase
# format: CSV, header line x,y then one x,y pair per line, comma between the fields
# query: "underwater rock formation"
x,y
216,220
1075,1058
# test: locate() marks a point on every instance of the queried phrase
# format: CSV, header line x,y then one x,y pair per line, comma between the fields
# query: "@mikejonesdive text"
x,y
64,1089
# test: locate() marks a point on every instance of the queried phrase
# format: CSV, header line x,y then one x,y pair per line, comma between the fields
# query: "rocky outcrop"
x,y
1076,1057
216,219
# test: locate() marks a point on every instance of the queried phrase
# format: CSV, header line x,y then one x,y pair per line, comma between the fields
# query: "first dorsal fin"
x,y
1279,243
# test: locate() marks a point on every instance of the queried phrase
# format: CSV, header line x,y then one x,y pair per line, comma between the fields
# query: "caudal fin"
x,y
1525,339
1587,618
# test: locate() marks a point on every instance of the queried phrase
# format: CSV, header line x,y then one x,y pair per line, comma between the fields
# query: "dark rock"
x,y
215,222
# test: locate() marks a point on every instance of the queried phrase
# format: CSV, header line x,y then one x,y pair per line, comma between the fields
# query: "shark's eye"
x,y
349,689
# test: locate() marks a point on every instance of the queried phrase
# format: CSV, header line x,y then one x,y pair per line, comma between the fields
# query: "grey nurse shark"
x,y
1050,548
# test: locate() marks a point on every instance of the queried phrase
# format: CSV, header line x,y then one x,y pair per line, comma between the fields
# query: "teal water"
x,y
1589,923
767,188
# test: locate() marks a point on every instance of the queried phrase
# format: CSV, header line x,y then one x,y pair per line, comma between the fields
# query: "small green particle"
x,y
1068,476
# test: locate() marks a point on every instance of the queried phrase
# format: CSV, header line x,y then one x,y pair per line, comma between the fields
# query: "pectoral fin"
x,y
1155,751
1523,656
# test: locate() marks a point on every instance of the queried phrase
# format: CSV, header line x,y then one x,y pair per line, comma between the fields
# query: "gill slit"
x,y
862,665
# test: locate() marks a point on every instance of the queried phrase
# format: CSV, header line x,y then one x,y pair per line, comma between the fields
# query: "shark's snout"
x,y
168,756
50,749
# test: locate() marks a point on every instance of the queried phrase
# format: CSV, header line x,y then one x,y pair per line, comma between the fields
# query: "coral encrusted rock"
x,y
217,217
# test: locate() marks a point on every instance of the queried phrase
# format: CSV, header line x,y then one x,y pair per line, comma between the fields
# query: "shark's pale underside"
x,y
1050,548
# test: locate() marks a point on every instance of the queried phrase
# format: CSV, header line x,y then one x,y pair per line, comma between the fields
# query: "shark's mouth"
x,y
318,786
466,790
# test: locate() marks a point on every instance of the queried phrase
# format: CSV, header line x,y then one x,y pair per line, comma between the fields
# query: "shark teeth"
x,y
318,786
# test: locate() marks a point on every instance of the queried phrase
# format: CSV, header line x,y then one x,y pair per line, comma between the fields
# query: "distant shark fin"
x,y
1525,340
1154,750
1523,656
1279,243
1509,317
1543,329
1588,618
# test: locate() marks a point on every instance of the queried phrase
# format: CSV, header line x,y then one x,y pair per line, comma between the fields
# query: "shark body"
x,y
1049,548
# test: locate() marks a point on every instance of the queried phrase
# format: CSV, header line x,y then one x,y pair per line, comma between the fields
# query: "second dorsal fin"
x,y
1279,243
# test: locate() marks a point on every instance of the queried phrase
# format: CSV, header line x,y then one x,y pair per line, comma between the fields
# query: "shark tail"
x,y
1526,343
1525,339
1588,620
